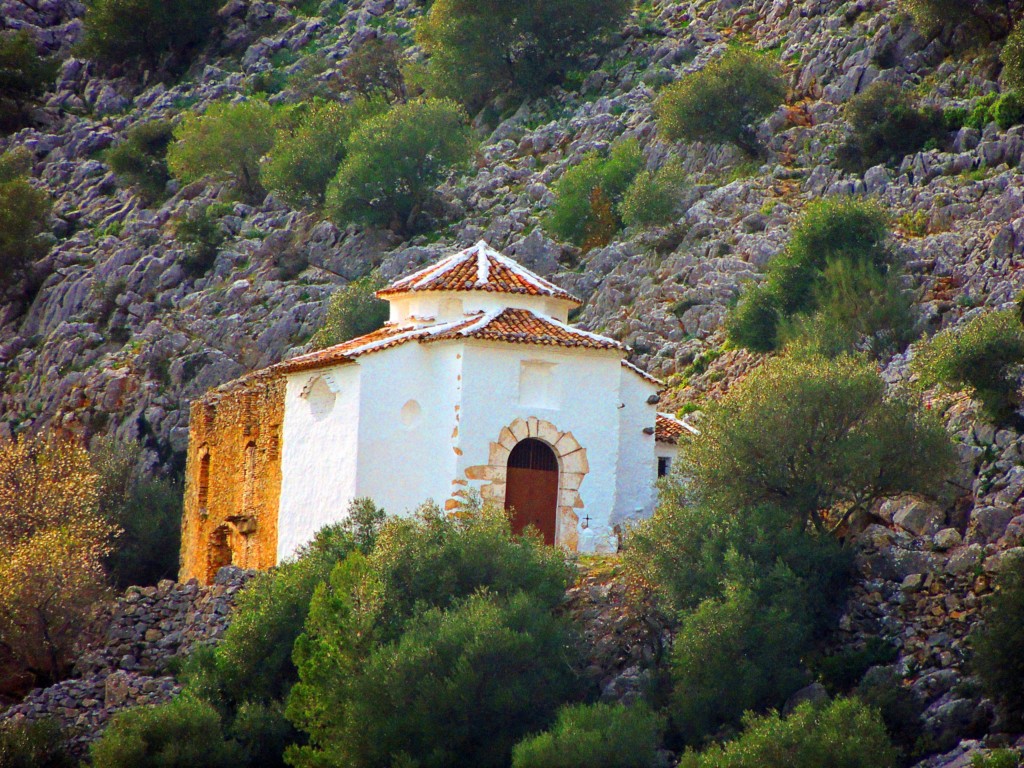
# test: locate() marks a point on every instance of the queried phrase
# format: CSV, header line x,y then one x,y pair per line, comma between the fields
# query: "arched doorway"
x,y
531,489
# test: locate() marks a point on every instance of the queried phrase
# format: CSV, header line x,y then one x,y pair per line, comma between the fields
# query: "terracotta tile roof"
x,y
521,326
517,326
478,268
668,429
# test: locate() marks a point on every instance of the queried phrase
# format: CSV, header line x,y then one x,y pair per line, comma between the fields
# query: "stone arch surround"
x,y
572,470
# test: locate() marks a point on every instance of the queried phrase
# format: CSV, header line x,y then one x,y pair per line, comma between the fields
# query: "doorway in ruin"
x,y
219,553
531,489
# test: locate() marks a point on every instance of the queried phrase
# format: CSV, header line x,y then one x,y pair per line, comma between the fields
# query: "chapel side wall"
x,y
239,434
319,455
637,462
410,425
586,393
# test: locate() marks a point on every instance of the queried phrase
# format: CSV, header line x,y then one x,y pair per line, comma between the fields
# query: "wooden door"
x,y
531,489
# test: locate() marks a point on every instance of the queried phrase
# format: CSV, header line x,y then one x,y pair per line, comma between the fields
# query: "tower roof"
x,y
477,268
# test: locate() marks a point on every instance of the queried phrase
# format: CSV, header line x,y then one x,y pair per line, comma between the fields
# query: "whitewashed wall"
x,y
637,465
453,305
318,454
374,442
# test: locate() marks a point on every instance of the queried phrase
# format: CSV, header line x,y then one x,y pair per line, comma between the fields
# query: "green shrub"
x,y
1008,110
722,102
157,32
981,112
478,49
202,235
24,76
38,744
653,199
439,648
859,309
586,194
999,645
140,159
982,354
753,323
395,161
739,652
226,143
254,660
24,210
306,154
886,124
594,736
810,433
354,311
184,733
997,758
843,734
981,20
686,551
882,689
146,509
838,246
841,672
1012,57
459,687
374,69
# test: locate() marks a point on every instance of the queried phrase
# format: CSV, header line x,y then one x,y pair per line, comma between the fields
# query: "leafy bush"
x,y
653,199
688,551
859,309
810,433
146,509
354,311
38,744
843,734
722,102
739,652
157,32
841,672
585,195
24,211
250,673
882,689
984,354
202,235
395,161
458,688
838,248
886,124
1012,57
54,543
998,644
1008,110
997,758
594,736
306,153
374,69
981,112
184,733
479,49
141,158
24,76
978,20
226,143
439,648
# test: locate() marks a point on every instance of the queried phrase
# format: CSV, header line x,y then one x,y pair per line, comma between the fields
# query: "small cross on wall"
x,y
586,521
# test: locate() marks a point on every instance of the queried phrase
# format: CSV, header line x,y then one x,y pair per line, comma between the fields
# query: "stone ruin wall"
x,y
233,479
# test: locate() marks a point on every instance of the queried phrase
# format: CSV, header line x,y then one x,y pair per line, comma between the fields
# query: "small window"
x,y
204,481
664,466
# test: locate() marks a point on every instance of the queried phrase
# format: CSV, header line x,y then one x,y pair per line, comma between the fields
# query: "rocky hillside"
x,y
118,337
115,336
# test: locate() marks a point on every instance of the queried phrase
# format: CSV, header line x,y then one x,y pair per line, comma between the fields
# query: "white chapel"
x,y
476,383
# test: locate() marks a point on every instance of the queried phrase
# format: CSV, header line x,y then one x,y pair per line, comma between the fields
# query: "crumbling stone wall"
x,y
233,478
